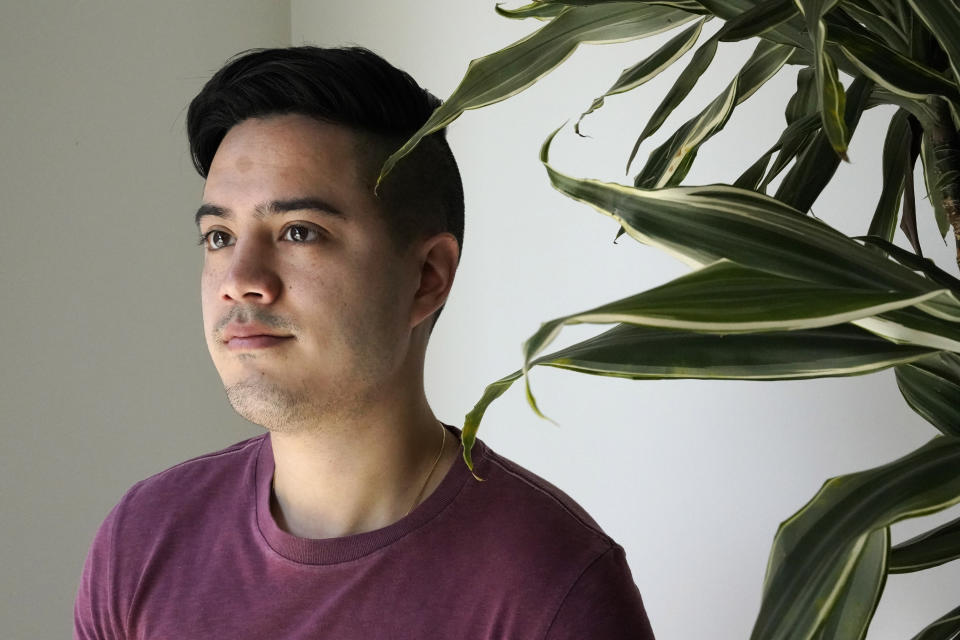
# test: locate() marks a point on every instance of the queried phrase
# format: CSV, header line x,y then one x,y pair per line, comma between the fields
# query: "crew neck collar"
x,y
351,547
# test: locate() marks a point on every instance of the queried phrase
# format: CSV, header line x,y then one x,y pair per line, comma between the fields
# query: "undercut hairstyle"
x,y
352,87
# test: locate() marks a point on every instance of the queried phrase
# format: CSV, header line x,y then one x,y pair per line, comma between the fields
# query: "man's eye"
x,y
300,233
216,239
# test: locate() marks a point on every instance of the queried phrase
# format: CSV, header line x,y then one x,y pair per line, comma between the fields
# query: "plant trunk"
x,y
946,152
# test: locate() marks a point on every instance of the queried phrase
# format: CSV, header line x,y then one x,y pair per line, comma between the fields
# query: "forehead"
x,y
287,156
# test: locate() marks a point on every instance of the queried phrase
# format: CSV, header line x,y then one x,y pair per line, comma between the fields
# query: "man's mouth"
x,y
255,342
251,336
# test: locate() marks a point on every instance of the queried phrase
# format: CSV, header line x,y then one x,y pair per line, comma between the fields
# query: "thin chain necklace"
x,y
439,453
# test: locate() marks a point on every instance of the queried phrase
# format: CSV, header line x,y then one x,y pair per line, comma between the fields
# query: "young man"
x,y
353,517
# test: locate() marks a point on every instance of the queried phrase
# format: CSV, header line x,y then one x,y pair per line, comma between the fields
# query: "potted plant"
x,y
776,294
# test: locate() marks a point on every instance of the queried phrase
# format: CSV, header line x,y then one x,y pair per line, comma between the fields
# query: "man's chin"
x,y
271,406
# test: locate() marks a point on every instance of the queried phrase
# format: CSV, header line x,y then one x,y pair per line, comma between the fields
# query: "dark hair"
x,y
350,86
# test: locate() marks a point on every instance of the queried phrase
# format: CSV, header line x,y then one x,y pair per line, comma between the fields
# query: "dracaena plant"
x,y
775,293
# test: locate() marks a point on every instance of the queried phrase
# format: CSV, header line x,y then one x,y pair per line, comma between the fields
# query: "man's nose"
x,y
251,276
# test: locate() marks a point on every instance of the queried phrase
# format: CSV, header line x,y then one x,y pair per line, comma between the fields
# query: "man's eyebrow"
x,y
274,207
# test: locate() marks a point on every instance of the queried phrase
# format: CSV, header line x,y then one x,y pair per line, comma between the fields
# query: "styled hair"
x,y
353,87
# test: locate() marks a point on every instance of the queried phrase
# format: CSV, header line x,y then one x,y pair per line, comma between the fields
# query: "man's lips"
x,y
251,336
255,342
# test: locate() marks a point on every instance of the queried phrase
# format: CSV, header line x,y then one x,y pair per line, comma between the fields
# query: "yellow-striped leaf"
x,y
509,71
946,627
850,616
650,353
929,549
817,549
831,93
896,148
669,162
650,67
942,18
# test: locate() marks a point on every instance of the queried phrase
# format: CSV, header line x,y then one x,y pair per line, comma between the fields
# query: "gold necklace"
x,y
439,453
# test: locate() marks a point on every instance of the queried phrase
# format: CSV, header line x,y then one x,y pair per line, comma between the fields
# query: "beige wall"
x,y
105,377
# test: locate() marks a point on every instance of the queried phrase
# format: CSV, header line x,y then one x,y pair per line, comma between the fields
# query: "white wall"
x,y
692,477
105,377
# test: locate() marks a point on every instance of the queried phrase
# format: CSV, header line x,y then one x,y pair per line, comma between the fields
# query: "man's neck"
x,y
354,475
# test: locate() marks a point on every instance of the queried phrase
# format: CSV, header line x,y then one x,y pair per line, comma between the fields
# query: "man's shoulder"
x,y
208,465
516,508
191,485
523,485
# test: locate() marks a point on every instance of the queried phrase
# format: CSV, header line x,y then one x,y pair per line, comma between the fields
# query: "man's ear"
x,y
438,257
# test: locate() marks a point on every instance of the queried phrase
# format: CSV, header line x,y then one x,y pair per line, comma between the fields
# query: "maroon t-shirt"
x,y
193,552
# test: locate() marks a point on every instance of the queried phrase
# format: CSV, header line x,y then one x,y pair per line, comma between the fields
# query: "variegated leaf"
x,y
650,67
817,549
650,353
509,71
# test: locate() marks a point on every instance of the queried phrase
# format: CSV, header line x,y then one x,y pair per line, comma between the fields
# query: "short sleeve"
x,y
96,613
603,603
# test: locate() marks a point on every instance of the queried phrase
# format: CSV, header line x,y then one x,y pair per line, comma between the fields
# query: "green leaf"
x,y
913,326
942,18
650,67
804,100
743,25
789,32
803,121
664,162
902,13
691,6
764,63
701,224
914,262
830,91
946,627
931,387
816,550
725,297
682,169
896,149
930,549
509,71
699,62
885,28
932,177
801,58
891,69
816,166
795,140
758,20
832,107
666,159
920,109
908,221
892,10
539,10
751,178
850,617
636,352
471,422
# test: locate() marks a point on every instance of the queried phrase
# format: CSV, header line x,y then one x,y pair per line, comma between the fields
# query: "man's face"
x,y
306,300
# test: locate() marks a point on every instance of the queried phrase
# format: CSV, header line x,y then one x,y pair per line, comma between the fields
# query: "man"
x,y
353,517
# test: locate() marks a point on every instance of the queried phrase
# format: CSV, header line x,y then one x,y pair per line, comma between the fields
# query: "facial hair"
x,y
280,409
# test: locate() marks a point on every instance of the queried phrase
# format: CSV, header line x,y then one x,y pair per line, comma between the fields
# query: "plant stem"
x,y
946,152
